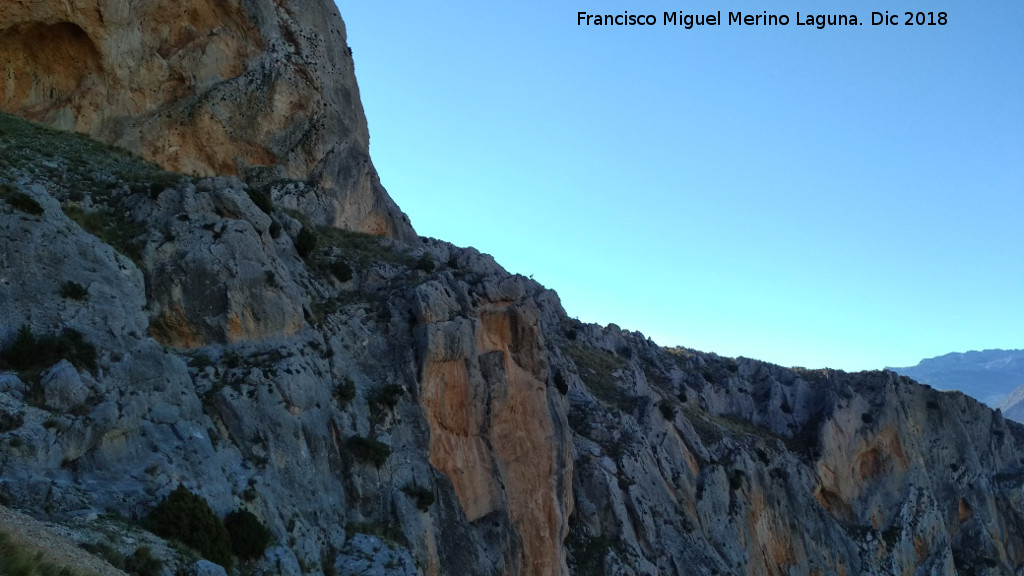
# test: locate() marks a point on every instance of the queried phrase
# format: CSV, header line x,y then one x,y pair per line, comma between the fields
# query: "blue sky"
x,y
849,197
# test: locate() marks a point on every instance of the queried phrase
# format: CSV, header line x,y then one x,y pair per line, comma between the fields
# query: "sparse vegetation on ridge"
x,y
596,368
139,563
92,180
78,165
20,201
110,226
16,560
364,249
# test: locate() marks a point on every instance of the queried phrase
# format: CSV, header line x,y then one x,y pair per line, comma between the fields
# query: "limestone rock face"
x,y
377,405
409,407
696,464
215,274
206,87
498,431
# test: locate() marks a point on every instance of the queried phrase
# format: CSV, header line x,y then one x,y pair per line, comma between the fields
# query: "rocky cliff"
x,y
254,88
409,407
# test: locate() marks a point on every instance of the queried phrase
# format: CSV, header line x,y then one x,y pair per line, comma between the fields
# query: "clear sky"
x,y
847,197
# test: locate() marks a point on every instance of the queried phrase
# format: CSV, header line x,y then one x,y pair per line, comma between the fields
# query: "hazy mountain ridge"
x,y
409,407
988,375
1013,405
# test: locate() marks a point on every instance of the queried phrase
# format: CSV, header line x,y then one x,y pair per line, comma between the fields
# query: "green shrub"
x,y
142,563
305,242
387,395
327,565
667,410
200,360
387,530
341,270
23,351
111,225
369,450
425,263
10,421
249,537
345,392
262,201
185,517
23,202
587,553
73,291
561,383
31,354
423,497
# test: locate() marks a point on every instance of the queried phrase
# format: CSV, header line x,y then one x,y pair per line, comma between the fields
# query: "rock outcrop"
x,y
255,88
409,407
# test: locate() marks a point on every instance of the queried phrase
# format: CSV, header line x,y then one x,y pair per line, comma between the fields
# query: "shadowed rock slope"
x,y
412,408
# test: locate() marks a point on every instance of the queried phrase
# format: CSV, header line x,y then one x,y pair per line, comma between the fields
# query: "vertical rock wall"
x,y
246,87
495,429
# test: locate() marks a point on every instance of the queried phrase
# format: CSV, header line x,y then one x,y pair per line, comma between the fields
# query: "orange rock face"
x,y
492,432
205,87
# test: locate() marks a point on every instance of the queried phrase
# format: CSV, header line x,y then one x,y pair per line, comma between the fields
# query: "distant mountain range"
x,y
1013,405
996,377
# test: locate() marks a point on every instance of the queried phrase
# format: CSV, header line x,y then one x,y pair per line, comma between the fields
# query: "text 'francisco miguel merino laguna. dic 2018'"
x,y
819,21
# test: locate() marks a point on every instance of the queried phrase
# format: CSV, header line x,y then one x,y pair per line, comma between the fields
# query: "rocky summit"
x,y
213,317
206,87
